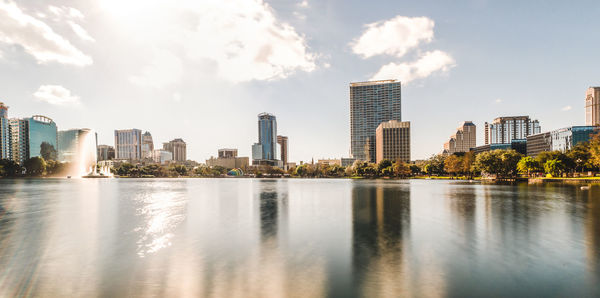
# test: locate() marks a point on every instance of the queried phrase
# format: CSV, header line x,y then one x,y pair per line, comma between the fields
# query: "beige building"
x,y
228,159
592,106
178,148
329,162
392,141
283,143
463,140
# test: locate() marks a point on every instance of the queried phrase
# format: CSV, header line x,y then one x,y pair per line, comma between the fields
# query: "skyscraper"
x,y
41,130
371,103
128,144
506,129
19,134
463,140
178,148
265,151
5,141
283,144
592,106
392,140
105,152
73,144
147,145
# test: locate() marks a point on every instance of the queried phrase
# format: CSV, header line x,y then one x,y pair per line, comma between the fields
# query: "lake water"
x,y
296,238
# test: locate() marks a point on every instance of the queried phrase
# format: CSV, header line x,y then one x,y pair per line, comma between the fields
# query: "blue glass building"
x,y
265,151
371,103
5,140
41,130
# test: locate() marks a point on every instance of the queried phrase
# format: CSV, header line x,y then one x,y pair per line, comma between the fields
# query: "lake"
x,y
297,238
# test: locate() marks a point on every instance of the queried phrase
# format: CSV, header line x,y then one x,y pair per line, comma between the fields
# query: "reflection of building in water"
x,y
381,221
592,231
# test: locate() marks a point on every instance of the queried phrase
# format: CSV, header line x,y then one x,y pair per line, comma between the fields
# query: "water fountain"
x,y
84,163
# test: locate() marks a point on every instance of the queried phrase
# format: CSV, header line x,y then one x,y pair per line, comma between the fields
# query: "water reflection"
x,y
381,231
308,238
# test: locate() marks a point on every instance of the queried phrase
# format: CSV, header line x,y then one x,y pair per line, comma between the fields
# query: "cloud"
x,y
498,100
37,38
394,37
567,108
165,69
240,40
56,95
304,4
427,64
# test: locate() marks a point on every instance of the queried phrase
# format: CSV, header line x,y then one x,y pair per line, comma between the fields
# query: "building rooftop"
x,y
370,83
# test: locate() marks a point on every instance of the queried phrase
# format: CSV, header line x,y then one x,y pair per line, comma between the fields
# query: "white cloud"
x,y
393,37
166,69
567,108
304,4
427,64
37,38
56,95
82,33
498,100
242,39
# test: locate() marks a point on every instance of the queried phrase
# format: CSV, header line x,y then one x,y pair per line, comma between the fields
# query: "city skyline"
x,y
78,84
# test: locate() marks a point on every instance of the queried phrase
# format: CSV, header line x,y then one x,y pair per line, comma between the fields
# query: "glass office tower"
x,y
5,141
41,130
267,135
371,103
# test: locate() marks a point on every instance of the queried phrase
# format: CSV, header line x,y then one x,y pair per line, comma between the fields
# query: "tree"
x,y
124,169
35,166
402,170
384,163
453,165
180,170
10,168
488,162
509,160
48,151
595,150
580,155
528,165
301,170
54,167
554,167
467,163
435,165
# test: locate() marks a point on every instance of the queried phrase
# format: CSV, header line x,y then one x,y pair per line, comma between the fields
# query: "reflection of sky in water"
x,y
305,238
161,211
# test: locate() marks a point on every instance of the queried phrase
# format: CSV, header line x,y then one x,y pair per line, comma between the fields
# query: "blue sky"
x,y
203,70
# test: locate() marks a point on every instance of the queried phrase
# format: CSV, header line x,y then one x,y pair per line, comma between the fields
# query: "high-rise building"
x,y
178,148
392,140
41,130
506,129
5,140
227,153
371,103
592,106
128,144
73,142
19,134
463,140
106,152
283,144
147,145
265,151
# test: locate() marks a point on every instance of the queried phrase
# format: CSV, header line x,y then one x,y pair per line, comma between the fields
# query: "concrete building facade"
x,y
227,158
463,140
147,145
283,145
178,148
371,103
128,144
19,139
393,141
592,106
106,152
563,139
505,129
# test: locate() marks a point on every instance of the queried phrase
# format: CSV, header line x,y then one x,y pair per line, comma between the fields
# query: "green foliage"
x,y
181,170
10,168
555,167
502,163
435,165
124,169
528,165
55,168
35,166
48,151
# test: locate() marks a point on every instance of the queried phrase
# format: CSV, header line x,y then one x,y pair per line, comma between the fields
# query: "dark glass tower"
x,y
371,103
267,136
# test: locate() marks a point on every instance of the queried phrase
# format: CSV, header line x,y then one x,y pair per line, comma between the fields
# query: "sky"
x,y
202,70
